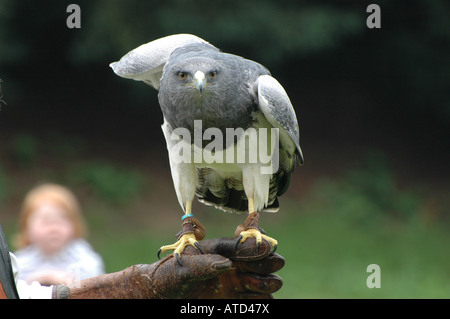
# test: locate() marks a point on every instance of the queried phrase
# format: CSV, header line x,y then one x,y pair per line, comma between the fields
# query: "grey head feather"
x,y
146,62
227,100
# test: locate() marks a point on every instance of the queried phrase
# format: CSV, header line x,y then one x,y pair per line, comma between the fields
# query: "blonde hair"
x,y
51,194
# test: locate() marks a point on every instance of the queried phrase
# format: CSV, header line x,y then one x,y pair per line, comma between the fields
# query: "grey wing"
x,y
274,103
146,62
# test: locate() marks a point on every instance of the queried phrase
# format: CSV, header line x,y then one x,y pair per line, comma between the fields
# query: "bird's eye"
x,y
182,75
212,74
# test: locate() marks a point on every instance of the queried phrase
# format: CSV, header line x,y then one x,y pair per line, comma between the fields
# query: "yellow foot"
x,y
249,233
184,241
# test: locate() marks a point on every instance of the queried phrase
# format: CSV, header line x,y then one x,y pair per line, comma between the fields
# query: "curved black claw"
x,y
177,256
159,253
238,241
196,244
274,248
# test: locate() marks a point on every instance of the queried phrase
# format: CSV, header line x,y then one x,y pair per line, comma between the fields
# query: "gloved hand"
x,y
221,272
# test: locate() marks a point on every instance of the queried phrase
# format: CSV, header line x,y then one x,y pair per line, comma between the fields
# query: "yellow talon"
x,y
254,233
178,248
251,233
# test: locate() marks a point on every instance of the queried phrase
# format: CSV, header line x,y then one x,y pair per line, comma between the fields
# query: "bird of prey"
x,y
206,96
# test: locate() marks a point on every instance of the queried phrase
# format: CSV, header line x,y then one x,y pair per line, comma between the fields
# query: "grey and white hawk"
x,y
220,110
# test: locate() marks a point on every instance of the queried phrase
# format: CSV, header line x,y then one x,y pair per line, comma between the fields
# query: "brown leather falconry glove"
x,y
221,272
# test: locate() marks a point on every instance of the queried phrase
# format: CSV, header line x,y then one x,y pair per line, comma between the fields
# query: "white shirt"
x,y
77,258
26,291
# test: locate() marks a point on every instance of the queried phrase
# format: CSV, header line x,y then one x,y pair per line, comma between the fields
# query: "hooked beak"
x,y
200,81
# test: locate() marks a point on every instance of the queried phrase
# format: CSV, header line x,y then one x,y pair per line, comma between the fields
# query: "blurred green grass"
x,y
328,258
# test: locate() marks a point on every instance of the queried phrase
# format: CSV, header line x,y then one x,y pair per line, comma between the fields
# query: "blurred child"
x,y
50,241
